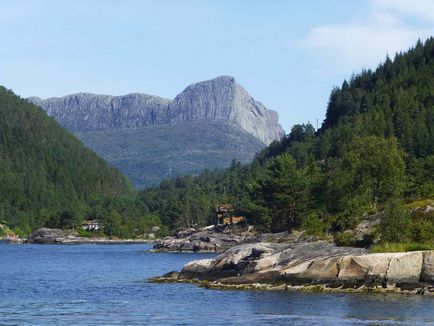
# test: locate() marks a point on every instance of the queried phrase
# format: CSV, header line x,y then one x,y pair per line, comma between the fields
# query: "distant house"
x,y
224,214
90,225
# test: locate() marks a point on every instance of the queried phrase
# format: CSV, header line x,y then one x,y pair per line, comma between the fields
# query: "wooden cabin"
x,y
225,214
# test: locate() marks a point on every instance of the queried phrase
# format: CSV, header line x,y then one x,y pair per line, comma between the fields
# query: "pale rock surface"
x,y
315,263
427,274
221,98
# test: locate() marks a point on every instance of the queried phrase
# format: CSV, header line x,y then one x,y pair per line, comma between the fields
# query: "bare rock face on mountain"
x,y
221,98
150,138
89,112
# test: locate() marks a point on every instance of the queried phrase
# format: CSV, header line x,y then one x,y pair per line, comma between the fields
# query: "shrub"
x,y
345,239
426,190
314,225
396,223
423,226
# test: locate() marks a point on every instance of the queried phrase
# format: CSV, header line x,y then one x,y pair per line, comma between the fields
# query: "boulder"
x,y
45,236
196,268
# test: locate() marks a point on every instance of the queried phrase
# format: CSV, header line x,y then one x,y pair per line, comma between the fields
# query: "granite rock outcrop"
x,y
313,266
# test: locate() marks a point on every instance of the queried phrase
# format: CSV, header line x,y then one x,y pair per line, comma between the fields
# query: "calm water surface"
x,y
102,285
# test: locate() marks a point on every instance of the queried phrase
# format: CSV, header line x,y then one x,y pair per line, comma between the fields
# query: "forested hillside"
x,y
45,172
148,155
375,146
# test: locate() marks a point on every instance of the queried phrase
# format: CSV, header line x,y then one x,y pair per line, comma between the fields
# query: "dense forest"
x,y
48,178
374,149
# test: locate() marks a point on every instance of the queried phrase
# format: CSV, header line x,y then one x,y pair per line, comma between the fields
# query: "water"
x,y
104,285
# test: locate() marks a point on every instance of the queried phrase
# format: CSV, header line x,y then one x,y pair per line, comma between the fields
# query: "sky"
x,y
286,54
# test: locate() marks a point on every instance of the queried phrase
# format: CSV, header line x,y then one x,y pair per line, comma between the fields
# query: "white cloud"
x,y
420,8
359,44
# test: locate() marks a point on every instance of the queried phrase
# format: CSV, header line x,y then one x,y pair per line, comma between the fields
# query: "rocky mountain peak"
x,y
221,98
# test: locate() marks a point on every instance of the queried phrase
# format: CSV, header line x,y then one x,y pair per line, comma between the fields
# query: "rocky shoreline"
x,y
311,266
57,236
211,239
221,238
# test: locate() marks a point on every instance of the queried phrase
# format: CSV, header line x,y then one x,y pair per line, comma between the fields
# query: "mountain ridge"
x,y
221,98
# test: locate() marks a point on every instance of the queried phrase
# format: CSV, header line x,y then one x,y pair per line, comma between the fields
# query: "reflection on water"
x,y
97,284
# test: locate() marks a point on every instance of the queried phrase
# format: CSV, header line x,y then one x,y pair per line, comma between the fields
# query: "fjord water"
x,y
102,285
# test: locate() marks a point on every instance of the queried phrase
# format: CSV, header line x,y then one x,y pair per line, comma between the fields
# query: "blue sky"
x,y
287,54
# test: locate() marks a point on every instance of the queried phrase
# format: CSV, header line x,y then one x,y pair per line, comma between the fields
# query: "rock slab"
x,y
315,264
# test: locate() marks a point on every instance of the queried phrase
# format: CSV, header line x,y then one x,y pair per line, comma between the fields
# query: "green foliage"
x,y
345,239
124,217
314,225
352,212
395,100
90,233
396,223
422,226
399,226
400,247
285,191
426,189
419,203
375,167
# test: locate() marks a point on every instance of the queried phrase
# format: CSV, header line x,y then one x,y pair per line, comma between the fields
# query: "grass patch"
x,y
401,247
419,203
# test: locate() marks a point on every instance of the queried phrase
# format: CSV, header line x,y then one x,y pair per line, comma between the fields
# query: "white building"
x,y
90,225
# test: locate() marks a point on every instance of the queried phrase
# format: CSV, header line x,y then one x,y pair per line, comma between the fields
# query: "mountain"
x,y
150,138
44,169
